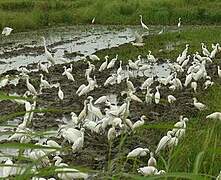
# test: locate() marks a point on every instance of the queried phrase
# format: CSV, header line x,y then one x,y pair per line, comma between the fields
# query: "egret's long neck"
x,y
57,162
45,44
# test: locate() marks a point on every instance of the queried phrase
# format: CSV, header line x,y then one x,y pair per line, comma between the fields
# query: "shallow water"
x,y
21,49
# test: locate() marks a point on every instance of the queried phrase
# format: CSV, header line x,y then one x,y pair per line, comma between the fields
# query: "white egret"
x,y
48,55
60,92
44,83
173,141
119,70
101,99
93,20
219,71
179,23
200,106
138,40
4,81
157,95
163,142
138,152
43,67
58,162
7,170
132,65
104,64
30,87
149,96
94,57
194,86
111,80
83,113
68,74
111,134
94,110
70,69
112,62
130,85
144,26
7,31
139,123
205,50
147,171
80,88
188,79
171,99
151,58
215,115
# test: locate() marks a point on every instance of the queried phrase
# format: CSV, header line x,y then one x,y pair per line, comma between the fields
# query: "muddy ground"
x,y
95,152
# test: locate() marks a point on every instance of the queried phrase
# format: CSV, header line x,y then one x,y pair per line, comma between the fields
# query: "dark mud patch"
x,y
96,149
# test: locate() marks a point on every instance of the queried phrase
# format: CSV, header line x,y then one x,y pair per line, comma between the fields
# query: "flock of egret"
x,y
113,120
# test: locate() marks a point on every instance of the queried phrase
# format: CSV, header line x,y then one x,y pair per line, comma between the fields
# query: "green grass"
x,y
35,14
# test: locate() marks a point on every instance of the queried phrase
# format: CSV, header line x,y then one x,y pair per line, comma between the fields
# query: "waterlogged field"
x,y
125,113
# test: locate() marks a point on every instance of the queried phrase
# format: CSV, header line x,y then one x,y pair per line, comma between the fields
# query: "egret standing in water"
x,y
48,55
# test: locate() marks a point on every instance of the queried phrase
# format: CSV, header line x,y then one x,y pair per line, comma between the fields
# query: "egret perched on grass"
x,y
104,64
112,62
200,106
164,142
144,26
138,152
147,171
94,57
215,115
179,23
139,123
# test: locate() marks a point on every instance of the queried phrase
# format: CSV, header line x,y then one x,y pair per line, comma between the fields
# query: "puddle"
x,y
21,49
